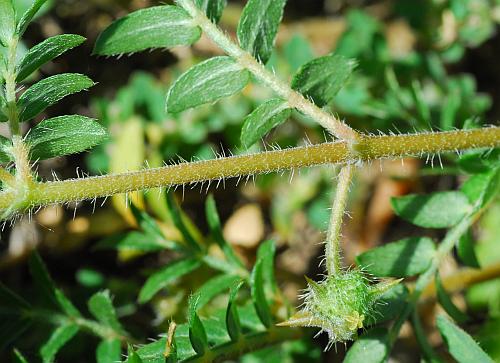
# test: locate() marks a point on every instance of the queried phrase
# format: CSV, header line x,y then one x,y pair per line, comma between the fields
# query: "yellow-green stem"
x,y
369,148
332,246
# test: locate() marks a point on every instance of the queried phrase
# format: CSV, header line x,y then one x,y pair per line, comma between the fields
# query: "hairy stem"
x,y
246,60
332,247
368,148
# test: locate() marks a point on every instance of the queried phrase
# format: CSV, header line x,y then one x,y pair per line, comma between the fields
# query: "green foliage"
x,y
213,8
460,344
156,27
46,51
64,135
57,340
207,82
7,21
49,91
258,27
322,78
407,257
371,347
436,210
263,119
448,305
28,16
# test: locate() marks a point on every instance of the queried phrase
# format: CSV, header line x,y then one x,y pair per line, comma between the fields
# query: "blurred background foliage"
x,y
422,65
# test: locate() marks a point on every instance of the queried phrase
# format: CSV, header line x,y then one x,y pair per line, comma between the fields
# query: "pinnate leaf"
x,y
403,258
49,91
46,51
64,135
7,21
460,344
156,27
207,82
108,351
258,27
162,278
28,16
322,78
101,306
436,210
212,8
57,340
263,119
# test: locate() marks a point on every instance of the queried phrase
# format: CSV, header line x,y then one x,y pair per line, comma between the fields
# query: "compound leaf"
x,y
322,78
7,21
57,340
207,82
436,210
258,27
460,344
46,51
64,135
403,258
263,119
49,91
162,278
101,306
213,8
156,27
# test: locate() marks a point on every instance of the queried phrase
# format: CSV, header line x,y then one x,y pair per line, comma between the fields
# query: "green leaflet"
x,y
7,21
5,143
133,356
156,27
481,188
101,306
371,347
162,278
214,287
18,357
403,258
258,27
28,16
460,344
197,333
178,220
108,351
233,323
263,119
64,135
57,340
49,91
136,241
259,295
46,51
465,250
207,82
212,8
436,210
448,305
322,78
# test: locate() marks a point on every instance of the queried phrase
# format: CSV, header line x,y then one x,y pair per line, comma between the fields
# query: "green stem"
x,y
246,60
368,148
332,247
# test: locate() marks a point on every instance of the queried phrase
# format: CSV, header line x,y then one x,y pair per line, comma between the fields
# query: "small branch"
x,y
295,99
332,247
368,148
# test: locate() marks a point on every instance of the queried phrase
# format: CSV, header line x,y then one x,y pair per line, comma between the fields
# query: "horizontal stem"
x,y
368,148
